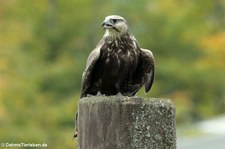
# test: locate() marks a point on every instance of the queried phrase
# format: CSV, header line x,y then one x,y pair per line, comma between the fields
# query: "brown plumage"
x,y
117,65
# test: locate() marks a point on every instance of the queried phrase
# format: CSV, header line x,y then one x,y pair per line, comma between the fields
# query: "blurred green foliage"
x,y
44,45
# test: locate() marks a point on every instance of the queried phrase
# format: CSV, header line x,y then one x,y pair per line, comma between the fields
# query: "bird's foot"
x,y
99,93
119,94
89,95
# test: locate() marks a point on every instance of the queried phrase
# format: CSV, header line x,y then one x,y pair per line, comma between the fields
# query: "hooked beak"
x,y
106,24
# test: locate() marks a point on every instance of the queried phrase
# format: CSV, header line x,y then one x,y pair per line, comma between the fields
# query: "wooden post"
x,y
118,122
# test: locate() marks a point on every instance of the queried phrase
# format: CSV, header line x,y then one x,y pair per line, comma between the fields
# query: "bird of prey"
x,y
117,65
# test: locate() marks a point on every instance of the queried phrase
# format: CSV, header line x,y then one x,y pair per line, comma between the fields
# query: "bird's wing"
x,y
149,68
88,72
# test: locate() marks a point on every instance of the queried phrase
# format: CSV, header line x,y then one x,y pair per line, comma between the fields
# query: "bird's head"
x,y
115,25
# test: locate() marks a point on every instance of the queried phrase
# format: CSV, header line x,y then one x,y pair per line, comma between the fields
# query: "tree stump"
x,y
119,122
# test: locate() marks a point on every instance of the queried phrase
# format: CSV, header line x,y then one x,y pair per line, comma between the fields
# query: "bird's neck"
x,y
114,34
125,41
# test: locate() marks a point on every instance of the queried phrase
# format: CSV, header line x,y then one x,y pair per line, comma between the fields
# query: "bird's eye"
x,y
113,20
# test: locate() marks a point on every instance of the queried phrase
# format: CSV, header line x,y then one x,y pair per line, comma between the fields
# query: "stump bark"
x,y
118,122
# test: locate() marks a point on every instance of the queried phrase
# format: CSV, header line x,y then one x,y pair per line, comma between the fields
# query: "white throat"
x,y
112,33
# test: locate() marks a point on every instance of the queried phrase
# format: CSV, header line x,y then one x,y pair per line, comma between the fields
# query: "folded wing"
x,y
88,72
148,64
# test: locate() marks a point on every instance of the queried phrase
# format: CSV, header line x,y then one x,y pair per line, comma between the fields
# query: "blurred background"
x,y
44,45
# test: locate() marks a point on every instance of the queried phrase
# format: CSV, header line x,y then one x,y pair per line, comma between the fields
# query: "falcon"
x,y
117,66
